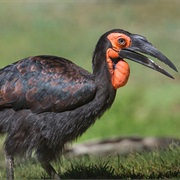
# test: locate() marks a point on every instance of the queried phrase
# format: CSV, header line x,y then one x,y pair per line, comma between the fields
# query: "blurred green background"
x,y
149,105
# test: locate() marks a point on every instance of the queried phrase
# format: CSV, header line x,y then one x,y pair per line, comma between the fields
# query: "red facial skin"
x,y
121,72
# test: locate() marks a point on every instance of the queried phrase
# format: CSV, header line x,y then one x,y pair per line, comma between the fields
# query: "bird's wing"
x,y
45,83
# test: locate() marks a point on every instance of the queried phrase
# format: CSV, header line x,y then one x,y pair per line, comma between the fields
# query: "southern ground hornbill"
x,y
47,101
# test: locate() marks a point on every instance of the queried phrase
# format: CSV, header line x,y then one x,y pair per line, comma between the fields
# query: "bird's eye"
x,y
122,41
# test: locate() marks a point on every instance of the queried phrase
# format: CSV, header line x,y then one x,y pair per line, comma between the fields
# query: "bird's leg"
x,y
9,166
50,170
44,155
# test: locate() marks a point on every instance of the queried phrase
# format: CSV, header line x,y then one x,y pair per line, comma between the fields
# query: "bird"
x,y
47,101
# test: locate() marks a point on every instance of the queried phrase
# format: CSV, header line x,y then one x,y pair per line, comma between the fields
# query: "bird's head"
x,y
120,44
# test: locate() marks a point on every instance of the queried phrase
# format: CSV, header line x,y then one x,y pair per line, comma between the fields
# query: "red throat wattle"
x,y
119,72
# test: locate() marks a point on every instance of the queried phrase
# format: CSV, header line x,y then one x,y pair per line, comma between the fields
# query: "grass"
x,y
159,164
148,105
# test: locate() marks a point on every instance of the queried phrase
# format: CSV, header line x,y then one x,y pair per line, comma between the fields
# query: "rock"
x,y
119,145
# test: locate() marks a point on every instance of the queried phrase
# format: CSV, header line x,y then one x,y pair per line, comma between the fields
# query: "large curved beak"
x,y
140,43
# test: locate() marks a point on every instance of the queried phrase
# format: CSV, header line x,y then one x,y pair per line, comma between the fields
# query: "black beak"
x,y
140,43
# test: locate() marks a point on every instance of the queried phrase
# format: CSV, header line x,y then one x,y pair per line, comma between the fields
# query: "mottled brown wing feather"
x,y
45,83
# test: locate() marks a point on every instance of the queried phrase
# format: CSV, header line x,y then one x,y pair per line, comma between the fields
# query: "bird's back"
x,y
45,83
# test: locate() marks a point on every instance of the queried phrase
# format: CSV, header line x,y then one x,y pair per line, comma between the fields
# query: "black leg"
x,y
50,170
9,166
44,155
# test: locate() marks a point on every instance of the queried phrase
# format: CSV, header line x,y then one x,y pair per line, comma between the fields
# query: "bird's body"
x,y
39,115
47,101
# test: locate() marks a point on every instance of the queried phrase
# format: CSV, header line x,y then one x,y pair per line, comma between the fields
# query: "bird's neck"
x,y
105,92
101,71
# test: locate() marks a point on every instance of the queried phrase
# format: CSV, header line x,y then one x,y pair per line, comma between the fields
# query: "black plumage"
x,y
45,83
47,101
